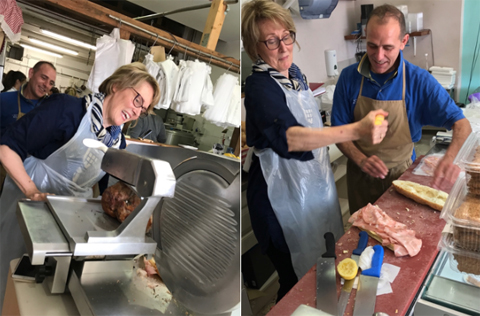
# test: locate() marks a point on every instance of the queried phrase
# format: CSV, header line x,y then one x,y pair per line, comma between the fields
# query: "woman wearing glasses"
x,y
291,192
43,152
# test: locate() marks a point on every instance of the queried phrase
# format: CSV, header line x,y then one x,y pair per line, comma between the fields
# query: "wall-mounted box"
x,y
415,21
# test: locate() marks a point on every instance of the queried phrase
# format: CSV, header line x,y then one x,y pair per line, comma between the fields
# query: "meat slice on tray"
x,y
391,233
119,200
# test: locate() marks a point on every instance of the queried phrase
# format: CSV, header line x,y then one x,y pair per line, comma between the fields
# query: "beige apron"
x,y
20,114
395,150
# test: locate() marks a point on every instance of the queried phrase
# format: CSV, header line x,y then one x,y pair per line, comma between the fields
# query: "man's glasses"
x,y
138,103
274,43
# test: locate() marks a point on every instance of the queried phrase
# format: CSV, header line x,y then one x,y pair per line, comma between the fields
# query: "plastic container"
x,y
462,211
468,159
461,260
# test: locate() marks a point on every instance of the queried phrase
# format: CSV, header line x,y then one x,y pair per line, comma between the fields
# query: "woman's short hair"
x,y
129,76
71,91
253,12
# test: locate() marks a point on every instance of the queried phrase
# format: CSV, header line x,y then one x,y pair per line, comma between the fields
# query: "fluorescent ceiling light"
x,y
68,40
41,50
54,47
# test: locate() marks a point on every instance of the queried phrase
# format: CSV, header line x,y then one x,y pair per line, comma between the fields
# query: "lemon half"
x,y
347,268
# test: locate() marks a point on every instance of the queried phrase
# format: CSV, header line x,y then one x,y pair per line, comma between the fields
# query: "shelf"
x,y
413,34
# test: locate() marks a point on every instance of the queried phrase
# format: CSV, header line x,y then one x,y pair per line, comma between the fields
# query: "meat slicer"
x,y
195,238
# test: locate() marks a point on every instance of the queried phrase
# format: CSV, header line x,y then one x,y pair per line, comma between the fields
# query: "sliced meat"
x,y
394,233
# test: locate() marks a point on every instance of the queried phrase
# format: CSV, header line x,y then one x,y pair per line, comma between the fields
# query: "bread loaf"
x,y
421,193
467,236
468,264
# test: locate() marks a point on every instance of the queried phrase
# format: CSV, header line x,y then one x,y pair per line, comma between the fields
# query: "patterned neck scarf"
x,y
296,81
109,136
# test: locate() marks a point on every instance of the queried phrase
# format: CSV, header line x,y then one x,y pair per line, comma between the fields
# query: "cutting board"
x,y
428,226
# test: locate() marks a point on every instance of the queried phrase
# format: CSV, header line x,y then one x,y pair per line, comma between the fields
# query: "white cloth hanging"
x,y
188,96
167,79
152,67
222,94
112,52
207,93
234,112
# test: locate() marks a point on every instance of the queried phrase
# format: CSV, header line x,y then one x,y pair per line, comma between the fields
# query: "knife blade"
x,y
326,278
348,284
367,292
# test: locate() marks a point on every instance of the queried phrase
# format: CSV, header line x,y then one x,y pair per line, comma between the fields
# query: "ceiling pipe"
x,y
162,14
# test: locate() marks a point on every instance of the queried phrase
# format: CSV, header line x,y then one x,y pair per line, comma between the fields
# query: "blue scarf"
x,y
296,81
110,135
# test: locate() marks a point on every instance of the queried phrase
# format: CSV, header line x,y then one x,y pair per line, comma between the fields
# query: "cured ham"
x,y
372,218
430,164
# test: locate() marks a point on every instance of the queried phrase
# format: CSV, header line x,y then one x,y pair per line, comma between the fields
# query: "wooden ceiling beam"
x,y
98,13
213,26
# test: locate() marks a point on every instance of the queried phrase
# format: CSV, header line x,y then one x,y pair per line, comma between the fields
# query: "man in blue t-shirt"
x,y
411,96
14,105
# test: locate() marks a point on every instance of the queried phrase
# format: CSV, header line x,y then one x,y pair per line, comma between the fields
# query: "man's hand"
x,y
370,131
374,166
445,174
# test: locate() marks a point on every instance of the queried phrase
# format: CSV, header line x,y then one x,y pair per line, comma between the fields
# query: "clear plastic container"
x,y
468,158
462,211
461,260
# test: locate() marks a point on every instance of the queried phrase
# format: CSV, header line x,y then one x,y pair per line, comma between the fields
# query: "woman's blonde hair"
x,y
253,12
71,91
129,76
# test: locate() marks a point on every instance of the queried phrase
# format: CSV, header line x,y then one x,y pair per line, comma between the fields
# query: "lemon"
x,y
347,268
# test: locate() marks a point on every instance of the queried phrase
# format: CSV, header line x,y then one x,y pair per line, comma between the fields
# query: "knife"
x,y
326,278
367,293
348,284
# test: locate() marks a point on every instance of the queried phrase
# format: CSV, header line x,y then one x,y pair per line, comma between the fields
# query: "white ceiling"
x,y
196,19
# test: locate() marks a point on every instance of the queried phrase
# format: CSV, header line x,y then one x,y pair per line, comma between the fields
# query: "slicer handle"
x,y
330,244
377,261
362,243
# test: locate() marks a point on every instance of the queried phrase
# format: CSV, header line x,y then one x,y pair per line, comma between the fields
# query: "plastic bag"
x,y
112,52
427,166
472,112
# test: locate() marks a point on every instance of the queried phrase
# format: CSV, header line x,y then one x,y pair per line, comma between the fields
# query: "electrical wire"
x,y
476,53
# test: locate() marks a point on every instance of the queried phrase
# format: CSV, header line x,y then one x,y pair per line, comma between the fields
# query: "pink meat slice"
x,y
430,164
392,232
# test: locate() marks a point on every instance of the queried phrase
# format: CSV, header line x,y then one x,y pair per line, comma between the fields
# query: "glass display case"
x,y
447,291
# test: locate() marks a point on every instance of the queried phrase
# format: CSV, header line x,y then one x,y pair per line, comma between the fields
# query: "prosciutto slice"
x,y
372,218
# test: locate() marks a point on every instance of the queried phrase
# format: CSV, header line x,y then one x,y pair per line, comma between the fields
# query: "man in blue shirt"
x,y
14,105
411,96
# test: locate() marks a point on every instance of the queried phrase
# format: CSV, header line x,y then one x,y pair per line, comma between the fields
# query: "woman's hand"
x,y
299,138
13,164
370,131
38,196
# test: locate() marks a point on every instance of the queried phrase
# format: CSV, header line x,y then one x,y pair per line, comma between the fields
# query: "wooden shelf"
x,y
413,34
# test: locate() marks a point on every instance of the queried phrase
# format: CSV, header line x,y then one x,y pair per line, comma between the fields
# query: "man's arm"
x,y
446,169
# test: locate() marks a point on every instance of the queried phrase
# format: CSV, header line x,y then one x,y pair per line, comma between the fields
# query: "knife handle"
x,y
362,243
377,261
330,244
